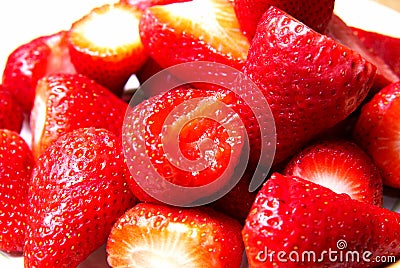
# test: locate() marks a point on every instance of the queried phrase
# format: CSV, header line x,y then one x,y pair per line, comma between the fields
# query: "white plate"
x,y
21,21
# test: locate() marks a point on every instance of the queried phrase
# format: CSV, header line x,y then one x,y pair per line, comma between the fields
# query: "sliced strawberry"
x,y
31,61
378,132
295,223
151,235
310,81
105,45
338,30
16,165
188,137
65,102
315,14
142,5
341,166
387,47
77,192
11,114
196,30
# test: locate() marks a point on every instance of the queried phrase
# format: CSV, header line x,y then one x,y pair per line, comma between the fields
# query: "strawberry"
x,y
387,47
377,132
338,30
142,5
16,165
310,81
341,166
196,30
65,102
189,137
296,222
315,14
33,60
77,192
151,235
105,45
11,114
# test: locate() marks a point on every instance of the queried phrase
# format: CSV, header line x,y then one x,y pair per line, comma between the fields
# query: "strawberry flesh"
x,y
341,166
151,235
11,114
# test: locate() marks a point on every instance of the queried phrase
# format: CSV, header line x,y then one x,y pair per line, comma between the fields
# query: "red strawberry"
x,y
188,137
151,235
142,5
31,61
77,192
315,14
65,102
295,222
377,132
387,47
338,30
11,115
105,45
196,30
310,81
341,166
16,165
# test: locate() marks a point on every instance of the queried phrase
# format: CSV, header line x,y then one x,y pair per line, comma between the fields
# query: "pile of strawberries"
x,y
334,93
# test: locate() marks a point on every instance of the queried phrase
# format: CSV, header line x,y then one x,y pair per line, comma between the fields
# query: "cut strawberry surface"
x,y
11,114
105,45
340,166
310,81
315,14
142,5
378,132
151,235
77,192
296,222
338,30
387,47
65,102
16,165
31,61
196,30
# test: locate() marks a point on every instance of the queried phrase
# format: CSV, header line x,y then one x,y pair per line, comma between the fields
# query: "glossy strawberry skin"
x,y
77,191
291,214
173,38
33,60
108,63
315,14
202,238
377,129
16,165
11,114
299,71
341,166
66,102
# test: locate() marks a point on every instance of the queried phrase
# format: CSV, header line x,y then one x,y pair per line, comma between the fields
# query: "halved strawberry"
x,y
142,5
105,45
315,14
377,131
31,61
151,235
387,47
65,102
189,137
16,165
295,222
341,166
310,81
11,114
338,30
196,30
77,192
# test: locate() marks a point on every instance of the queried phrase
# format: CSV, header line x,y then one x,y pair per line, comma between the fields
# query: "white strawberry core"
x,y
39,115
